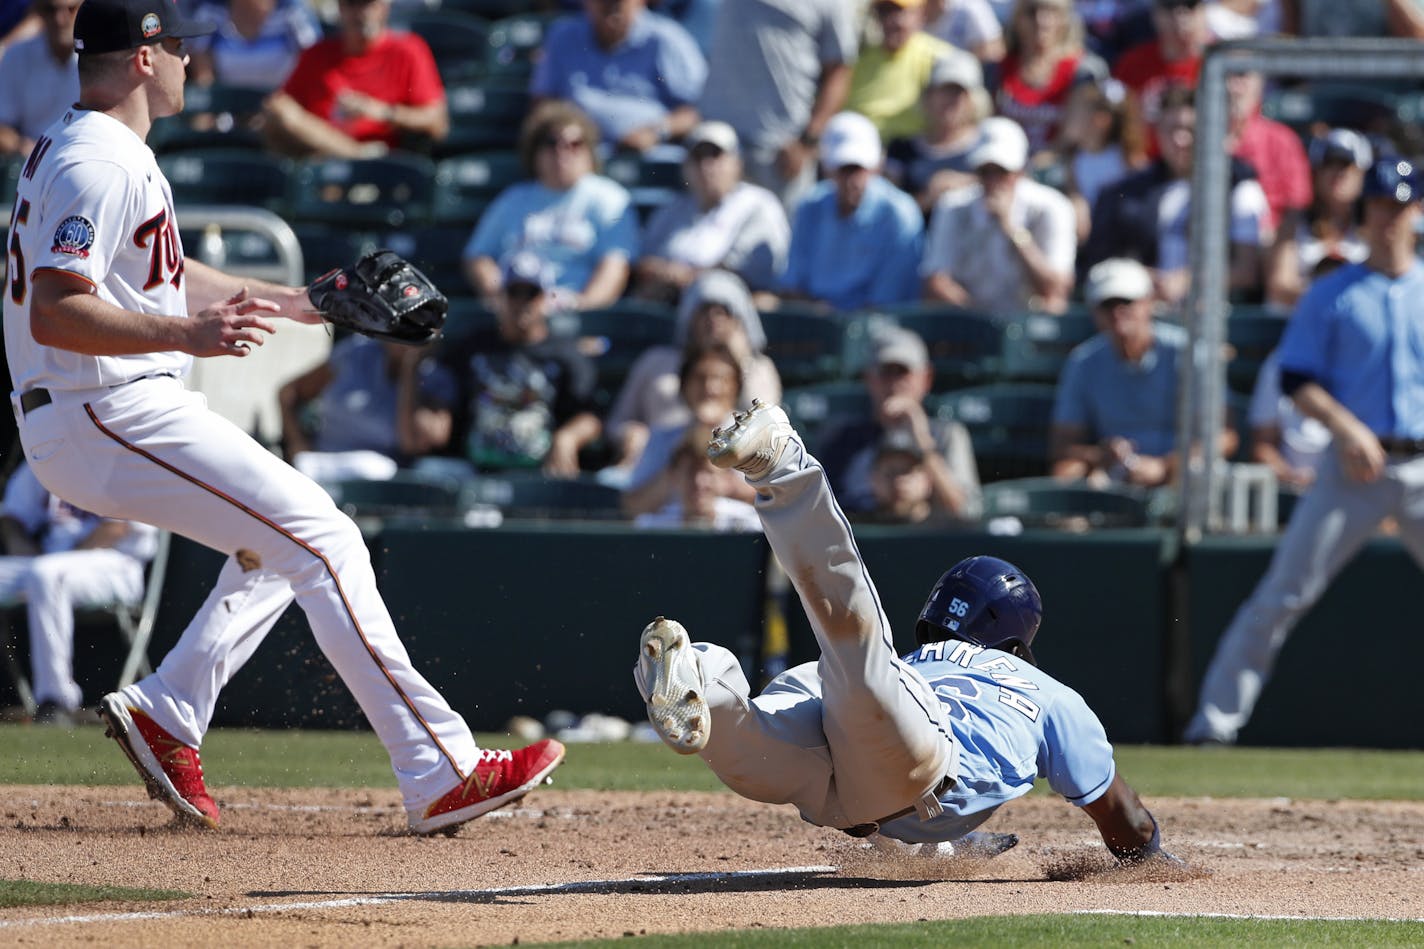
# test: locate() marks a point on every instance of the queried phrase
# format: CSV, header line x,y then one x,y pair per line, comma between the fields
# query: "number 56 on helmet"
x,y
983,600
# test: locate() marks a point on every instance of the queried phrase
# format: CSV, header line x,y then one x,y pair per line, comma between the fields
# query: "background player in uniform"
x,y
920,749
98,333
1352,357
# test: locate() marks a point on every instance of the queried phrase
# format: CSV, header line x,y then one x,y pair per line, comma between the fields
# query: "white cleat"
x,y
753,443
676,706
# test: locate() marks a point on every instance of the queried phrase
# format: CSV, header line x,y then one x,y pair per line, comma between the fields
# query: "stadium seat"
x,y
1070,505
467,316
1352,104
466,184
965,347
406,494
528,494
817,409
227,176
483,116
454,37
616,336
1037,344
393,191
1008,424
487,9
513,43
806,344
214,116
1251,334
10,168
325,246
435,250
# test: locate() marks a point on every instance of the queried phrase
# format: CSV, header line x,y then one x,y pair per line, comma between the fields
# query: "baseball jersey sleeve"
x,y
1075,756
1304,345
86,217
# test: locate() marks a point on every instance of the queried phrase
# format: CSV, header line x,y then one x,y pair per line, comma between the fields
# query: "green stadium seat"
x,y
483,116
214,116
529,494
454,38
466,184
1036,345
1008,424
966,347
390,192
467,317
487,9
805,343
1072,505
408,494
435,250
227,176
817,409
616,336
1251,334
325,246
1352,104
514,42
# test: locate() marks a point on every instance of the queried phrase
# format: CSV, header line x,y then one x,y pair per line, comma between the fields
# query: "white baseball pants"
x,y
151,451
52,586
858,735
1327,528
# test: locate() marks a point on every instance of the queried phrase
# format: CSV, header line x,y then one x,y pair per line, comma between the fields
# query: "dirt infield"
x,y
317,868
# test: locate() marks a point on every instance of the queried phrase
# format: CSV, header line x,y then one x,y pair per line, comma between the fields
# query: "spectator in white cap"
x,y
1327,235
898,376
1115,415
937,160
1006,243
856,238
720,222
887,80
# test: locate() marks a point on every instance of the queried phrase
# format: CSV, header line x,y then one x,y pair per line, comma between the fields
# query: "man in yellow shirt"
x,y
888,78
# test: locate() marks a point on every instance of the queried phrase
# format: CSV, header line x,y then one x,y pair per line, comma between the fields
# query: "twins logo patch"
x,y
74,236
150,26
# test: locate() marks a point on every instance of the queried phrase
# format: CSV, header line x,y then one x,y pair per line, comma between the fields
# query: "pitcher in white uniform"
x,y
99,334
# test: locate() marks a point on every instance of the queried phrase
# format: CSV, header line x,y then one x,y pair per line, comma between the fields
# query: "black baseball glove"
x,y
382,296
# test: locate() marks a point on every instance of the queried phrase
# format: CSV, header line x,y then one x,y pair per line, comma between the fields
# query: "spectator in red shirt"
x,y
1046,60
359,93
1172,59
1269,147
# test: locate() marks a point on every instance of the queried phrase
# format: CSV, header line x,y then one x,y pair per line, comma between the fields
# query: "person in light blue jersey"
x,y
579,223
637,74
856,239
920,748
1352,357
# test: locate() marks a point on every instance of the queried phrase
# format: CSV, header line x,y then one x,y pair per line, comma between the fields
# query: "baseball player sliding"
x,y
922,748
98,333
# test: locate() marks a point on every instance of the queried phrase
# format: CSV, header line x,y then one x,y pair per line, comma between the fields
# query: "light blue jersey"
x,y
1014,724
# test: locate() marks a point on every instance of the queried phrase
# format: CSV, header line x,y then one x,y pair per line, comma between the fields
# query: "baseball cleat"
x,y
500,777
753,443
676,706
983,844
170,769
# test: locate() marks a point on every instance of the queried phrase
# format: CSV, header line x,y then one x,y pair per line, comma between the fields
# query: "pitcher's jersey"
x,y
1014,724
92,202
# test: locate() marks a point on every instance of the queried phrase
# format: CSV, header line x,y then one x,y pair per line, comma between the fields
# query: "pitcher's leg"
x,y
889,740
239,612
1325,531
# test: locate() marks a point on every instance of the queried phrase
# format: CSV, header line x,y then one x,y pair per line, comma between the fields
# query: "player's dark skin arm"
x,y
1122,820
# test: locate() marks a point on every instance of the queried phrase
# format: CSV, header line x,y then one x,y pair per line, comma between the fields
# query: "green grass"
x,y
238,757
1050,932
33,893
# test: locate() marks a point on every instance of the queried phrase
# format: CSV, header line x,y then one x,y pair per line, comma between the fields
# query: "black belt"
x,y
1403,446
865,830
33,399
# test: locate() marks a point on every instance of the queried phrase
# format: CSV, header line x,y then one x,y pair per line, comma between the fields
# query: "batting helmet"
x,y
983,600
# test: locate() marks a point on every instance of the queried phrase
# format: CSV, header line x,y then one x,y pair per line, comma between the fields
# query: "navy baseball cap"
x,y
107,26
1395,178
528,269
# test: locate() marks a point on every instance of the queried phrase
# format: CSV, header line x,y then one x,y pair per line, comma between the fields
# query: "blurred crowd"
x,y
868,164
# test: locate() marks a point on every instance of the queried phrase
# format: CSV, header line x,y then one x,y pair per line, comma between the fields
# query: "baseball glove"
x,y
382,296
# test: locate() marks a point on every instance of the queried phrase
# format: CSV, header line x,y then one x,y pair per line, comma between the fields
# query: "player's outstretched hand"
x,y
230,328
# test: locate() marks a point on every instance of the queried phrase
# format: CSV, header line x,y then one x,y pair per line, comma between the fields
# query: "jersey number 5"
x,y
19,282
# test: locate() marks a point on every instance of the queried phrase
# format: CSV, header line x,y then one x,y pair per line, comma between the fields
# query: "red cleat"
x,y
499,778
170,769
